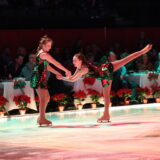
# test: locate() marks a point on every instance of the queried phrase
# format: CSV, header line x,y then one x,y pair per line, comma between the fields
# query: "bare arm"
x,y
52,70
46,56
76,75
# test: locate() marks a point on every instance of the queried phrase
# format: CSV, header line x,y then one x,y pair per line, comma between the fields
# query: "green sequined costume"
x,y
39,75
104,73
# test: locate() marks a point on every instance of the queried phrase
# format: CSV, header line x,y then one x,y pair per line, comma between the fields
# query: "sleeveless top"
x,y
104,73
38,78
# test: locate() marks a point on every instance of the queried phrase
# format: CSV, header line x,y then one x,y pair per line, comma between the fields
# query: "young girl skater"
x,y
103,73
38,79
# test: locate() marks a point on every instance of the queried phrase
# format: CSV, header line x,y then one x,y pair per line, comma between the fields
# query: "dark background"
x,y
34,14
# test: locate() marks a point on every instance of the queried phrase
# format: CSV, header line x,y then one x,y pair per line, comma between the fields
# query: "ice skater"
x,y
38,79
103,72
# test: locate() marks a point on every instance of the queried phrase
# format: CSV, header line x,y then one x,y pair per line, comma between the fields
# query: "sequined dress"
x,y
38,78
105,73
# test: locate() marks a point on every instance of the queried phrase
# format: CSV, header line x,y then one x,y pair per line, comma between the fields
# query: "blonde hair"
x,y
45,39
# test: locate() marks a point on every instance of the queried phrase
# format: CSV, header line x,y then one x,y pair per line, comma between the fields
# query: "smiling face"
x,y
77,62
47,46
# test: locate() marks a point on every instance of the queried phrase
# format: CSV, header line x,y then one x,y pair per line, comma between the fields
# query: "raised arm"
x,y
46,56
76,75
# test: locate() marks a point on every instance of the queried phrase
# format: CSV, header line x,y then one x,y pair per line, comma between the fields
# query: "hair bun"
x,y
44,37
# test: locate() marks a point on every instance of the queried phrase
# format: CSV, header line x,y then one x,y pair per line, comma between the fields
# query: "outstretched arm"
x,y
46,56
117,64
53,70
75,76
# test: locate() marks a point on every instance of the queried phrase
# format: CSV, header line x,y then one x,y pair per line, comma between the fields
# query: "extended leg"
x,y
117,64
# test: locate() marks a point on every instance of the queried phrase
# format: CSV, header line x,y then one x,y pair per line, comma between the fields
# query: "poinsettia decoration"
x,y
112,94
3,102
95,95
156,92
60,98
80,95
89,80
36,99
143,92
124,92
153,76
22,101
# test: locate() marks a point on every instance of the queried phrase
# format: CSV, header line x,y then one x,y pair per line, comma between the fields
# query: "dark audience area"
x,y
78,13
21,63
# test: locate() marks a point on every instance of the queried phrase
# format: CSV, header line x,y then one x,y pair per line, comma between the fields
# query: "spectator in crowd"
x,y
15,67
117,48
95,51
157,64
5,56
5,59
27,70
129,66
23,51
144,64
91,59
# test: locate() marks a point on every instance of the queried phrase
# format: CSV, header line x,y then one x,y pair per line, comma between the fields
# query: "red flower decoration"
x,y
143,92
21,100
153,76
124,92
95,95
89,80
3,100
60,98
156,92
93,92
112,94
79,94
57,97
36,99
